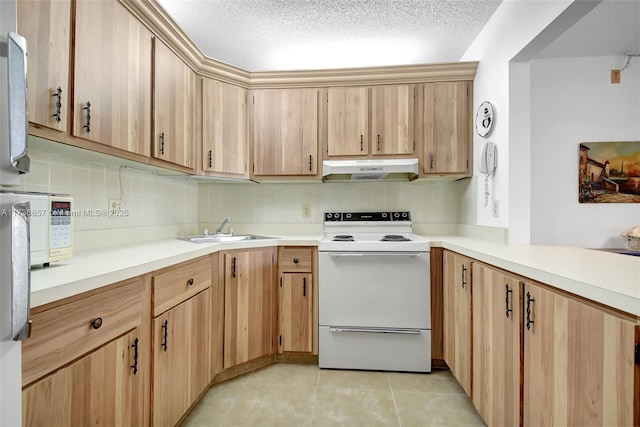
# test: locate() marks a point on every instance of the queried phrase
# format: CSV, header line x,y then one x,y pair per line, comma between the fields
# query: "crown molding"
x,y
154,17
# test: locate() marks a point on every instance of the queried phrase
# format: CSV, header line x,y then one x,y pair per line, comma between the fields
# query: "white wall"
x,y
516,25
573,101
277,208
159,207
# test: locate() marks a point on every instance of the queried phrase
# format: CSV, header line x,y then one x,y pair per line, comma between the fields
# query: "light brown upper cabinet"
x,y
285,132
348,121
112,83
446,127
224,128
174,98
46,25
392,110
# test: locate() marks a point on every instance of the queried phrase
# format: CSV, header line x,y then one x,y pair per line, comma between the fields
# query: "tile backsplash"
x,y
280,206
157,206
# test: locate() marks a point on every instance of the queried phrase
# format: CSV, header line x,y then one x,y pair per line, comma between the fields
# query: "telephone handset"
x,y
489,158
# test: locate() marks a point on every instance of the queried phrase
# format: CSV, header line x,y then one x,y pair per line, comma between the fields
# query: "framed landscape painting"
x,y
609,172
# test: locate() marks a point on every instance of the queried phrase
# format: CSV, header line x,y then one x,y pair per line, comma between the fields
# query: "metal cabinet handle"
x,y
304,286
361,142
529,301
210,159
378,142
431,159
165,327
310,162
464,279
233,272
295,260
135,357
190,282
87,117
57,113
17,101
96,323
508,293
162,143
20,276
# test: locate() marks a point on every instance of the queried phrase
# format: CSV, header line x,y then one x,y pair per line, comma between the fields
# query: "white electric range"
x,y
374,293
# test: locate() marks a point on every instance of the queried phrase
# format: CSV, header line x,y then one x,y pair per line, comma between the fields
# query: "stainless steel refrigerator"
x,y
15,277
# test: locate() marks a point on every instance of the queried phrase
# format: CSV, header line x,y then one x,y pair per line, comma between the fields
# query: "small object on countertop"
x,y
632,235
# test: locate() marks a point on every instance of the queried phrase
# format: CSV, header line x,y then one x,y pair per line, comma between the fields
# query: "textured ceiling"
x,y
270,35
611,28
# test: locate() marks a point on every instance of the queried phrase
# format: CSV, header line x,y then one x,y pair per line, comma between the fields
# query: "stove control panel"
x,y
367,216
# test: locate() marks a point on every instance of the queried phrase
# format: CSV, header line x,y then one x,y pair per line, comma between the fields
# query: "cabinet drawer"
x,y
296,260
64,333
179,284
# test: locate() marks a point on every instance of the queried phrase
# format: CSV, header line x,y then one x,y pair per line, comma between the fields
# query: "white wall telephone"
x,y
488,158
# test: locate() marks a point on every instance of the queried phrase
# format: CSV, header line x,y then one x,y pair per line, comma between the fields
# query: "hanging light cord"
x,y
629,56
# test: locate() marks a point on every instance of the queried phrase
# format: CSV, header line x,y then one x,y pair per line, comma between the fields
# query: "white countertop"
x,y
92,269
610,279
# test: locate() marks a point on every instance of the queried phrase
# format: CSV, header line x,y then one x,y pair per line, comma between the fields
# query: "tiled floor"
x,y
304,395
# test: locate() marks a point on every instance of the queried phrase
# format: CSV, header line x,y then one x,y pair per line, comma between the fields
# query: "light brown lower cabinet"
x,y
87,360
99,389
578,362
249,277
457,338
496,346
296,313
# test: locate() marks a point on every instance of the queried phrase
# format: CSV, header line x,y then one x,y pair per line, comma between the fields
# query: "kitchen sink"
x,y
216,238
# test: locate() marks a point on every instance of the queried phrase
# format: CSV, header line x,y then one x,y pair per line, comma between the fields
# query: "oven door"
x,y
374,290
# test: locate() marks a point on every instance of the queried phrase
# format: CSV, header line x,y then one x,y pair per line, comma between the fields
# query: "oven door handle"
x,y
359,254
378,331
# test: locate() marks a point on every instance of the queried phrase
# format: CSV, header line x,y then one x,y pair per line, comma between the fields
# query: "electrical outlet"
x,y
115,205
306,211
496,208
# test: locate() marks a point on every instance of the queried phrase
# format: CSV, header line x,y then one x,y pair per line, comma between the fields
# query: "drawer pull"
x,y
96,323
507,294
164,332
233,273
295,260
529,301
135,356
190,281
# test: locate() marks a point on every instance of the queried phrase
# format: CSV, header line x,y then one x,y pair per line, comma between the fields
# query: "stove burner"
x,y
343,238
395,238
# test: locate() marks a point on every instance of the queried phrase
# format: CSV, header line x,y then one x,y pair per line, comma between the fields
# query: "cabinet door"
x,y
112,83
496,346
296,312
181,358
578,362
102,388
285,132
392,119
446,127
248,279
348,118
457,317
174,95
46,26
224,128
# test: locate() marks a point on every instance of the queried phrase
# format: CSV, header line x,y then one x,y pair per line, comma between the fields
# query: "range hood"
x,y
369,170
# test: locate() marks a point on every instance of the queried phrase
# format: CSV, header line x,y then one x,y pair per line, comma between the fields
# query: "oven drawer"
x,y
375,349
375,289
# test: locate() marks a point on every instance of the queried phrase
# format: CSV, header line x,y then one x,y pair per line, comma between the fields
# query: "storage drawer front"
x,y
340,349
65,333
296,260
180,284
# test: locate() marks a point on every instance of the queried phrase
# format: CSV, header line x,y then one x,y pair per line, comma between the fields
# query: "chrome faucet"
x,y
225,222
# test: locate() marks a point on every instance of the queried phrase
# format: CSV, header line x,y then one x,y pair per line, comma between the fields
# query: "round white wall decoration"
x,y
484,119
